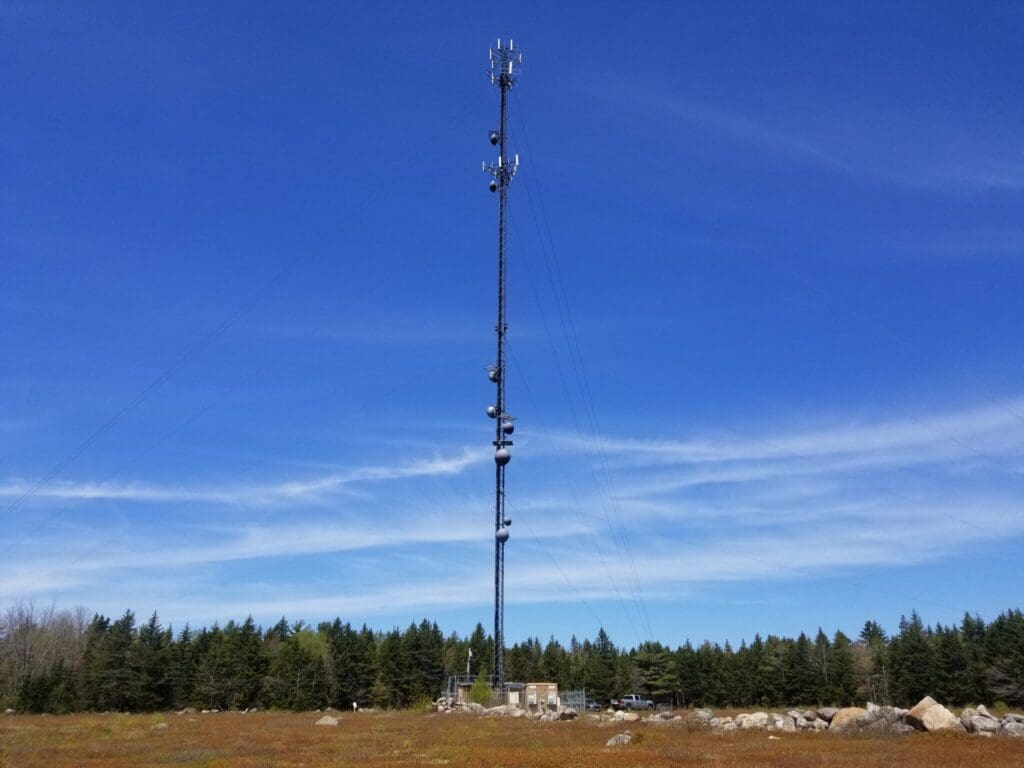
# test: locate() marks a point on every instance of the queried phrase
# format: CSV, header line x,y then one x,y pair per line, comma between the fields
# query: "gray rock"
x,y
981,724
714,722
789,724
1013,728
620,739
965,719
809,714
984,712
472,706
158,727
1016,718
327,720
827,713
704,715
9,712
870,707
567,714
756,720
729,726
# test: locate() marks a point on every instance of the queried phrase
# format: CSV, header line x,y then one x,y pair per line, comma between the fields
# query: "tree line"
x,y
61,661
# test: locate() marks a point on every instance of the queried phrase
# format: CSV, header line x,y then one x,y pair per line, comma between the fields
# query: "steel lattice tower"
x,y
504,61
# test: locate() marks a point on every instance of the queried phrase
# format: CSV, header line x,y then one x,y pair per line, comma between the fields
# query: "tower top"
x,y
504,60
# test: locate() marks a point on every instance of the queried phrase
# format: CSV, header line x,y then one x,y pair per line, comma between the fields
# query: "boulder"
x,y
568,714
819,725
620,739
756,720
472,706
9,712
846,719
729,726
186,711
629,717
983,724
965,719
1016,718
929,715
984,712
809,714
916,714
1012,729
158,727
885,715
703,715
714,722
827,713
789,724
327,720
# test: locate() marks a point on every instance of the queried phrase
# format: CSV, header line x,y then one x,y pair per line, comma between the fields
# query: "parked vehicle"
x,y
632,701
592,705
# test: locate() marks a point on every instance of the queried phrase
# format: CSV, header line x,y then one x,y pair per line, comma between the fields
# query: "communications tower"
x,y
504,61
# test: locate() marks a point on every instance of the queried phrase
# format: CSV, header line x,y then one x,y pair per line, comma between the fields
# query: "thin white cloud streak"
x,y
984,430
73,562
289,491
762,522
670,571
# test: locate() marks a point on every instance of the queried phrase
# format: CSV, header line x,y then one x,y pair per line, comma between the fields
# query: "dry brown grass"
x,y
229,740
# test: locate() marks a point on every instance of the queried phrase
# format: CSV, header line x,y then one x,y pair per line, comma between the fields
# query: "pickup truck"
x,y
632,701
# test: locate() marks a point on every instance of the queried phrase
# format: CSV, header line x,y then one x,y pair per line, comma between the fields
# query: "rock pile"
x,y
927,715
327,720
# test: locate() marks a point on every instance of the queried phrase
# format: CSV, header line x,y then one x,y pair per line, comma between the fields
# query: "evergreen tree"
x,y
912,661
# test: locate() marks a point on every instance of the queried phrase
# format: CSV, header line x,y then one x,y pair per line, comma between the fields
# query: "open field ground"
x,y
406,739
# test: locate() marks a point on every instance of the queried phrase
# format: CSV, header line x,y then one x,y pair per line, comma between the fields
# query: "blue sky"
x,y
766,279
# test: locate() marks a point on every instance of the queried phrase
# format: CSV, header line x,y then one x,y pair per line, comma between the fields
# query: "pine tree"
x,y
843,678
152,666
912,661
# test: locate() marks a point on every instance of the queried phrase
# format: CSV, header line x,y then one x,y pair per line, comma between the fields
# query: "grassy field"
x,y
408,739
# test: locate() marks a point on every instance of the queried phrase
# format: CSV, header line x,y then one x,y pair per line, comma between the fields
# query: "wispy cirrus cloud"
x,y
987,430
281,492
775,506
